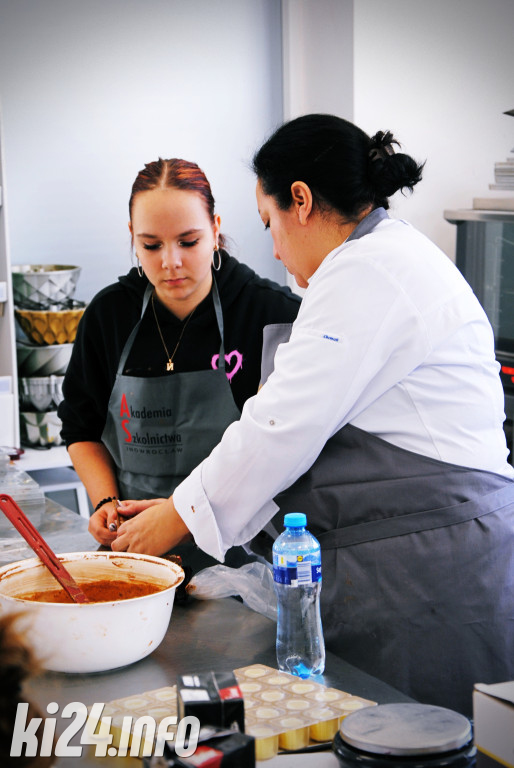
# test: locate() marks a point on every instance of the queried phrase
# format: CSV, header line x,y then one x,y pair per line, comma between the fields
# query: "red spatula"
x,y
41,548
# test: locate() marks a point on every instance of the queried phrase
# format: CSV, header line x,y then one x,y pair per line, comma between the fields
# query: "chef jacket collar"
x,y
368,223
364,227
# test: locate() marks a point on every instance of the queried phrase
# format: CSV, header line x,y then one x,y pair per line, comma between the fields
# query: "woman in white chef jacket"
x,y
382,421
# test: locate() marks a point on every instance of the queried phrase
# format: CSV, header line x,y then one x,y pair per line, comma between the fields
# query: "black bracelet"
x,y
104,501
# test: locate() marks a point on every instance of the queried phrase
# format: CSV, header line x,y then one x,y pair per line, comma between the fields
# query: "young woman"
x,y
382,421
165,359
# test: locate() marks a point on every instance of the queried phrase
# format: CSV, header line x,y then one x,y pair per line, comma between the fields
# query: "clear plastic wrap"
x,y
252,582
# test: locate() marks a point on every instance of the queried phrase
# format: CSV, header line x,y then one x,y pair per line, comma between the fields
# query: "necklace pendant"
x,y
169,365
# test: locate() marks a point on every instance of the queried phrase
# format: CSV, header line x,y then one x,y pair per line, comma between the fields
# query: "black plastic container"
x,y
405,736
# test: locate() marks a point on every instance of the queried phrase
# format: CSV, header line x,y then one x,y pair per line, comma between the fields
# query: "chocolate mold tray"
x,y
282,712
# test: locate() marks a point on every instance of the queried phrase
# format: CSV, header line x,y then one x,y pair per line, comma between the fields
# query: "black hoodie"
x,y
248,301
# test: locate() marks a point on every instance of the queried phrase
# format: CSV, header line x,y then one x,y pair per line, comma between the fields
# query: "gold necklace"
x,y
169,364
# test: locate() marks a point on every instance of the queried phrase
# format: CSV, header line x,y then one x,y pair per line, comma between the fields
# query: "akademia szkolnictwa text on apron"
x,y
159,429
417,558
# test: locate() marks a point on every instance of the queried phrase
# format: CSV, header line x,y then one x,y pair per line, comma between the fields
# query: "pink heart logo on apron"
x,y
228,358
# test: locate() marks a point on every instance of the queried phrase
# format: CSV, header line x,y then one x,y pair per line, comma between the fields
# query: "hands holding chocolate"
x,y
149,526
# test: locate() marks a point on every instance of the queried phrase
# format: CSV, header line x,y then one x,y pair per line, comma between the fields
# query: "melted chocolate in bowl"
x,y
112,630
104,591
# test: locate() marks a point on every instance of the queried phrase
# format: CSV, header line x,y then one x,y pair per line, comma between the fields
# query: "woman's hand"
x,y
129,508
99,525
153,531
107,515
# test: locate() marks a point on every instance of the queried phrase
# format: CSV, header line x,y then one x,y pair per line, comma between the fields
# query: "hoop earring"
x,y
215,252
139,268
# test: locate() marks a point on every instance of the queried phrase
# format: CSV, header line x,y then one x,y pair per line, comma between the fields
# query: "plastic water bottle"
x,y
297,577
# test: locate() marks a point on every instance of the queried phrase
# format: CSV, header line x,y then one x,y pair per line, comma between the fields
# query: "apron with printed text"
x,y
417,559
159,429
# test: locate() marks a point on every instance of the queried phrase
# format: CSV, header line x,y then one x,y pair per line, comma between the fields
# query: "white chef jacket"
x,y
389,338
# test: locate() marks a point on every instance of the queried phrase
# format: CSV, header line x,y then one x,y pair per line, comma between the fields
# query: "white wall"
x,y
90,90
317,57
439,74
317,62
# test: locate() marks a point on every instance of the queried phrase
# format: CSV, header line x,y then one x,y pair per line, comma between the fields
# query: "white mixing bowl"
x,y
92,637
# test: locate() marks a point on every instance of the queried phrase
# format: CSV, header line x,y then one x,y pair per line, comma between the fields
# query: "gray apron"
x,y
159,429
418,563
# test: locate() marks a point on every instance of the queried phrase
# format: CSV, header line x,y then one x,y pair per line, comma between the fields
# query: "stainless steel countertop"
x,y
203,635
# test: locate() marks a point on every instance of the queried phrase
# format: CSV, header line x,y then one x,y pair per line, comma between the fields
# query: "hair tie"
x,y
380,153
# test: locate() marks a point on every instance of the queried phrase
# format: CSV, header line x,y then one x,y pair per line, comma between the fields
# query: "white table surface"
x,y
45,458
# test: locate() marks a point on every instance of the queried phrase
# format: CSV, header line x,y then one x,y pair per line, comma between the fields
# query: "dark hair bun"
x,y
390,171
346,170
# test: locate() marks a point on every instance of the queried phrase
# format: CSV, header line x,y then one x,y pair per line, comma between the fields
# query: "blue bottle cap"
x,y
295,520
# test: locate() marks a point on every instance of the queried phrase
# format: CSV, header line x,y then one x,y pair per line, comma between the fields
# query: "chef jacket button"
x,y
272,422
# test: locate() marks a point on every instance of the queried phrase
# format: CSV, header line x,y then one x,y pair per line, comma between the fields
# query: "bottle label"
x,y
295,571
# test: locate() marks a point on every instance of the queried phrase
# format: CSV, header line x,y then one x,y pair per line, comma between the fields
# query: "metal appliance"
x,y
485,256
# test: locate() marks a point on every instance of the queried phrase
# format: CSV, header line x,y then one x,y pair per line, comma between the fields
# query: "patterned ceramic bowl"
x,y
43,283
40,429
40,393
50,326
42,361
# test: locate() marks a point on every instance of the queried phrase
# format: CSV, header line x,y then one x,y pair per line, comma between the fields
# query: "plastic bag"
x,y
253,582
